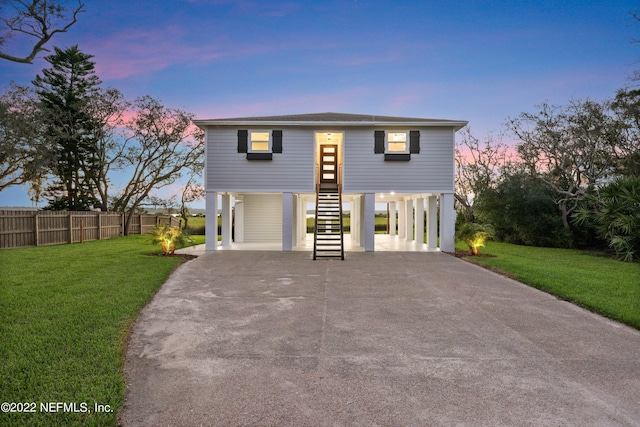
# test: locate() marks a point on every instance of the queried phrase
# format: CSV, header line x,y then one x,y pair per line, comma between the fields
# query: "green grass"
x,y
65,312
600,284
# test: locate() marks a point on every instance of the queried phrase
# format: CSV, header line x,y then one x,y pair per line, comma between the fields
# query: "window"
x,y
260,142
397,143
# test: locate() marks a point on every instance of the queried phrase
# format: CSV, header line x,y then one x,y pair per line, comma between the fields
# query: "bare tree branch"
x,y
38,19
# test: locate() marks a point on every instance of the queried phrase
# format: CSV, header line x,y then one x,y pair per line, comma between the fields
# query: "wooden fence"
x,y
39,228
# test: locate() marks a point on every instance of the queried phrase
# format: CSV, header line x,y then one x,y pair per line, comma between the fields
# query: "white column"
x,y
447,223
226,220
361,221
402,217
419,220
432,222
238,223
296,220
392,218
211,220
287,221
369,222
355,220
302,220
408,222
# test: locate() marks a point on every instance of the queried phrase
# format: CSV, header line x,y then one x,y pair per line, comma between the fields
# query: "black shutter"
x,y
243,136
276,144
414,141
378,148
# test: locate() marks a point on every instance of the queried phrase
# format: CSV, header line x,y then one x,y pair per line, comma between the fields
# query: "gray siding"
x,y
293,170
262,218
289,171
431,170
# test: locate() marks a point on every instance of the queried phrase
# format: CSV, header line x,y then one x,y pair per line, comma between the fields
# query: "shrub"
x,y
523,212
167,237
474,235
614,211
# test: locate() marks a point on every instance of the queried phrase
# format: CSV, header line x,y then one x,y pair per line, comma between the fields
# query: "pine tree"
x,y
65,90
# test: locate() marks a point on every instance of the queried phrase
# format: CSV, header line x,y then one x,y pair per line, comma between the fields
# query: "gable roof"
x,y
334,119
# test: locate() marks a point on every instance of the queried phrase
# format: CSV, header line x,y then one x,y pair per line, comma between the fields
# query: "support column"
x,y
302,220
355,220
402,217
361,221
287,221
432,222
226,221
408,222
392,218
447,223
211,220
419,220
369,222
238,220
296,220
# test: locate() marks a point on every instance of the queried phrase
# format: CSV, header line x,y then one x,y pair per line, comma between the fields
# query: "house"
x,y
269,169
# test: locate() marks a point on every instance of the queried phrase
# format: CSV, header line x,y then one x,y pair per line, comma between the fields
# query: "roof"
x,y
334,119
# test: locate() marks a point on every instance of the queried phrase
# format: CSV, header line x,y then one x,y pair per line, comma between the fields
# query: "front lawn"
x,y
600,284
65,312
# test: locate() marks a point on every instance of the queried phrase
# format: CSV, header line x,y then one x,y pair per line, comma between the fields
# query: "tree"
x,y
65,92
22,152
39,20
190,193
626,105
478,166
522,211
107,108
162,144
568,148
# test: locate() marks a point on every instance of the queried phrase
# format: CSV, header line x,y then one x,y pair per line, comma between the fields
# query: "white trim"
x,y
456,124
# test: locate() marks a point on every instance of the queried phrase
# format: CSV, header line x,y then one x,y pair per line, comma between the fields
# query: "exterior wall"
x,y
431,170
262,218
293,170
289,171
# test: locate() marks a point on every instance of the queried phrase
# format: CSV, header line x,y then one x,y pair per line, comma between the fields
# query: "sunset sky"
x,y
480,61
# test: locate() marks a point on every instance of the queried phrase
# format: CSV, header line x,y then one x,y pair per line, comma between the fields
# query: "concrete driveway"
x,y
389,339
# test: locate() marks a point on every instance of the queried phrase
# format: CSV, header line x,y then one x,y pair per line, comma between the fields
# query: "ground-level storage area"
x,y
278,221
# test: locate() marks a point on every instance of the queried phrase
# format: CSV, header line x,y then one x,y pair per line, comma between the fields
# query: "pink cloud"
x,y
343,101
141,52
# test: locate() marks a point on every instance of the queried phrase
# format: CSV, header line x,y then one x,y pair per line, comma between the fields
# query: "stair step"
x,y
328,230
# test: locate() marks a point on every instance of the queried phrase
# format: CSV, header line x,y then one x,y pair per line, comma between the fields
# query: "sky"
x,y
480,61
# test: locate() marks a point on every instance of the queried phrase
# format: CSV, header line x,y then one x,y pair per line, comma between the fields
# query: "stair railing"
x,y
341,225
315,223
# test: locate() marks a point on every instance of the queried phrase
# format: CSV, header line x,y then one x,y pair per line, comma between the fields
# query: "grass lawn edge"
x,y
591,306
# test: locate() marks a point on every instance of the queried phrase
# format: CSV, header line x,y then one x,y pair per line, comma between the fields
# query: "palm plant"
x,y
614,211
474,235
167,237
